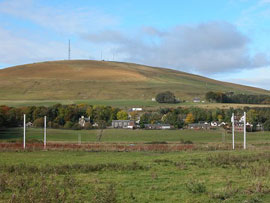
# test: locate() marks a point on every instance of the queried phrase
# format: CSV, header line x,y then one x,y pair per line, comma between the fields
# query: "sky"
x,y
226,40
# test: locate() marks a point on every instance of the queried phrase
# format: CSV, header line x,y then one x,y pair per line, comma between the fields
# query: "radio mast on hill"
x,y
69,51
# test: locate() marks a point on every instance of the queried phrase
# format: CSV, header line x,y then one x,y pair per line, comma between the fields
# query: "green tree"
x,y
173,119
266,125
68,125
252,116
145,119
122,115
166,97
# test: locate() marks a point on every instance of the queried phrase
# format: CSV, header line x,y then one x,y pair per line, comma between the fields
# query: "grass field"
x,y
126,104
134,136
54,176
185,176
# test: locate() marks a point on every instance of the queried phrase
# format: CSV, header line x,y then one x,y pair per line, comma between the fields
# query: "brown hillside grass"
x,y
85,79
70,71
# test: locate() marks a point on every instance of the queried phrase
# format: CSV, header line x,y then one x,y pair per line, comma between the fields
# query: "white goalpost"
x,y
232,120
24,132
45,132
245,131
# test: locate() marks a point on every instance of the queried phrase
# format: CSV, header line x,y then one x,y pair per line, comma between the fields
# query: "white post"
x,y
245,130
24,134
45,132
232,119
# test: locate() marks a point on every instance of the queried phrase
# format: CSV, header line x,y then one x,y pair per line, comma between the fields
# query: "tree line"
x,y
230,97
60,116
67,116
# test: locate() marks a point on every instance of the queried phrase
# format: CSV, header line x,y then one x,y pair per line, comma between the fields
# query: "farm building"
x,y
239,127
157,126
196,100
135,109
199,126
29,124
123,124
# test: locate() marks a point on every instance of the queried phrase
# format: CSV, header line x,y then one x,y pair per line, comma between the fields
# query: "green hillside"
x,y
102,80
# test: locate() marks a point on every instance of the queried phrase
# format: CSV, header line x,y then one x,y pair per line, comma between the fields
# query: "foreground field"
x,y
204,176
140,169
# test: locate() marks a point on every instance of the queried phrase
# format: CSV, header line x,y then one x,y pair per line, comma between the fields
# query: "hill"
x,y
104,80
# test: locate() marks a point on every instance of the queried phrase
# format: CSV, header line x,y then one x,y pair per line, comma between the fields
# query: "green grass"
x,y
214,176
134,136
187,176
126,104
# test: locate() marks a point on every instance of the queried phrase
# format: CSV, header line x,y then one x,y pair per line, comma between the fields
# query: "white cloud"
x,y
62,19
207,48
256,77
42,28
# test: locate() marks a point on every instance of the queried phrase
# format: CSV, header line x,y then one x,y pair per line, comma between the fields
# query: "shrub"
x,y
195,187
68,125
53,125
88,126
76,126
186,142
105,195
39,122
266,125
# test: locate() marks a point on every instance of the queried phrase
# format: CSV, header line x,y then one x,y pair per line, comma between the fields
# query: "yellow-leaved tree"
x,y
189,118
122,115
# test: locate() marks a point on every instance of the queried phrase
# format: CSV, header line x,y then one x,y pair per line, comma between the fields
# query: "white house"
x,y
196,100
136,109
214,124
29,124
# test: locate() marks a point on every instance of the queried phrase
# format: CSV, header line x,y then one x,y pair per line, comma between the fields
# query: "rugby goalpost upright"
x,y
24,132
245,131
232,120
45,132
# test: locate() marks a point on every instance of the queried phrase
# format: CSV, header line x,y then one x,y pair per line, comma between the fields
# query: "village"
x,y
200,125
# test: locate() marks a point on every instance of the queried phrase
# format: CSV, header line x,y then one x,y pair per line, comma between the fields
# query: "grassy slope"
x,y
100,80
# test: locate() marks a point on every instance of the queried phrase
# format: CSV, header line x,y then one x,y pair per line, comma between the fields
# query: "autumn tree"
x,y
189,118
122,115
134,115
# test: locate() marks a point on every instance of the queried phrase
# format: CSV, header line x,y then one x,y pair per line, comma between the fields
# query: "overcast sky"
x,y
225,39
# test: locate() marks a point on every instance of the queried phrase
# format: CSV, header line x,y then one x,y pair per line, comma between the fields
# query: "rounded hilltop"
x,y
89,79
